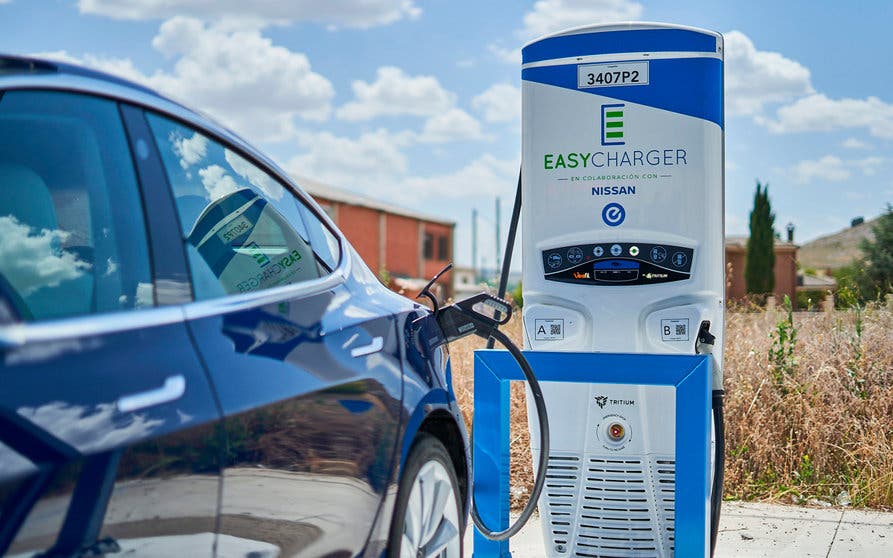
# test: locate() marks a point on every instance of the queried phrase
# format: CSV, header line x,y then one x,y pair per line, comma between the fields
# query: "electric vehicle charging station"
x,y
623,252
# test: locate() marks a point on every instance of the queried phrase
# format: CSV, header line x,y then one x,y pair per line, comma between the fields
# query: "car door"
x,y
108,441
307,369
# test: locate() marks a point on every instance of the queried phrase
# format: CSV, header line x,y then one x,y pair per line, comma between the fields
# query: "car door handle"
x,y
174,387
373,347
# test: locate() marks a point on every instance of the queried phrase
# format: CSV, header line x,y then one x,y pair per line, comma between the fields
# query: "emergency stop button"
x,y
614,432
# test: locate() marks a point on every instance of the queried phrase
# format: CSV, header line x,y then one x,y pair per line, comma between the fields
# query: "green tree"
x,y
850,280
759,274
877,277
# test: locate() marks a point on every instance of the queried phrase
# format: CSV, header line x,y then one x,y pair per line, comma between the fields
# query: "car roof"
x,y
28,72
31,72
11,64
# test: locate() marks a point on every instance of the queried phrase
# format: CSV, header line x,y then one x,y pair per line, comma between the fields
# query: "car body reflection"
x,y
309,473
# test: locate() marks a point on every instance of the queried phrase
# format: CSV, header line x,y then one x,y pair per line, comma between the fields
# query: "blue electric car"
x,y
193,359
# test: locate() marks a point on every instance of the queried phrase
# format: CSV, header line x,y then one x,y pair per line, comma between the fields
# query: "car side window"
x,y
325,243
243,230
72,235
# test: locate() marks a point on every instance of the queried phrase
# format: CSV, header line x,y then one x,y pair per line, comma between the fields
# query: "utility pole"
x,y
498,241
474,243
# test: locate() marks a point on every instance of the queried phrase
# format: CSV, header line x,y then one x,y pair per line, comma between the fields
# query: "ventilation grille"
x,y
609,506
560,495
665,473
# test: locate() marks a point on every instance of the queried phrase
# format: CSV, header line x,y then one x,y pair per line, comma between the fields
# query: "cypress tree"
x,y
877,277
759,271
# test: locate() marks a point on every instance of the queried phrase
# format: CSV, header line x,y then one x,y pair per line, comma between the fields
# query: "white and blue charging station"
x,y
622,218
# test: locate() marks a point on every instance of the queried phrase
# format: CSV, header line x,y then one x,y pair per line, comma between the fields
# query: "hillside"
x,y
835,250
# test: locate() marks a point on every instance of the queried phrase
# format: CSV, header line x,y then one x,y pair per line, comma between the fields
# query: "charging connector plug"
x,y
705,340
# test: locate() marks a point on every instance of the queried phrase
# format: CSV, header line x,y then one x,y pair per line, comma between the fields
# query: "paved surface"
x,y
751,530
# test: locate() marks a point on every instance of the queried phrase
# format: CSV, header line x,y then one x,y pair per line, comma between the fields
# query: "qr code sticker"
x,y
548,330
674,330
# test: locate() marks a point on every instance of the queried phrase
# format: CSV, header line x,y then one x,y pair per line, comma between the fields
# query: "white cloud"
x,y
111,267
818,113
853,143
238,76
507,55
30,259
548,16
870,165
834,169
754,77
51,351
348,13
254,175
452,125
90,428
217,182
485,176
375,164
829,167
373,158
396,93
145,295
376,159
241,77
190,150
499,103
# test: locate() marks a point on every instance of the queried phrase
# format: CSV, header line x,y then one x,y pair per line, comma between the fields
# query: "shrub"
x,y
811,301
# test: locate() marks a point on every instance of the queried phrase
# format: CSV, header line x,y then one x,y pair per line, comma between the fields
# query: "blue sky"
x,y
417,102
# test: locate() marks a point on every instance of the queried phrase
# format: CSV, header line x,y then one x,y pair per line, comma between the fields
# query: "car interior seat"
x,y
35,269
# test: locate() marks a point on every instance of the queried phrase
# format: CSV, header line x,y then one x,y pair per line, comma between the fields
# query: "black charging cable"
x,y
704,346
481,315
464,318
719,467
509,248
543,460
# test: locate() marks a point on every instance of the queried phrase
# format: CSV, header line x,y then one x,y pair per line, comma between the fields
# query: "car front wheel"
x,y
427,520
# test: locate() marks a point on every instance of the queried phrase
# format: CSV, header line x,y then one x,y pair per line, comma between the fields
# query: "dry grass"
x,y
821,427
797,431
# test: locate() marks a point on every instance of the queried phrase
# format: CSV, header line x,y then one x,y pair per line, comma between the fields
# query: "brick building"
x,y
785,269
407,246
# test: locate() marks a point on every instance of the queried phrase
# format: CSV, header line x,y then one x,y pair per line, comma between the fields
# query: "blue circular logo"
x,y
613,214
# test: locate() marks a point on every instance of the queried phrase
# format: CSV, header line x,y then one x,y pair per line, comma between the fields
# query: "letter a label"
x,y
549,330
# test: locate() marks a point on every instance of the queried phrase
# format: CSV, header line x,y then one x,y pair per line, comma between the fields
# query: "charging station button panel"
x,y
618,263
